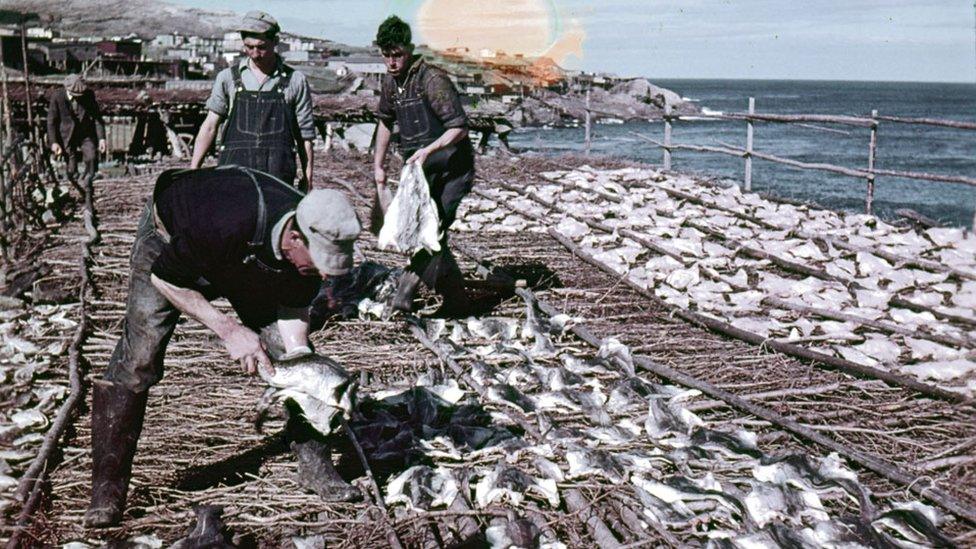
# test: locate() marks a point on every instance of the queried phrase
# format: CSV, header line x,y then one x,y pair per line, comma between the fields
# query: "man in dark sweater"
x,y
422,101
230,232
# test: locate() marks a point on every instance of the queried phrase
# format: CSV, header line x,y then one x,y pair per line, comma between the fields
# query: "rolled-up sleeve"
x,y
219,100
444,100
385,112
303,105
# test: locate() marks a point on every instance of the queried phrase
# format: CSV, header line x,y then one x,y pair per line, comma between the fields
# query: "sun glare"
x,y
528,27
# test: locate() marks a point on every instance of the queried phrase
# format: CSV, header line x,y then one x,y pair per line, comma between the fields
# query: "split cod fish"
x,y
322,389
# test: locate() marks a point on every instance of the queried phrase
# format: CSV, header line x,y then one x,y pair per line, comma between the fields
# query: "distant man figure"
x,y
230,232
75,129
265,107
421,99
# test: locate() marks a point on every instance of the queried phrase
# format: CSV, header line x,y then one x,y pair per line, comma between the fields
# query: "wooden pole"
x,y
6,97
587,142
27,88
749,130
872,147
4,135
667,135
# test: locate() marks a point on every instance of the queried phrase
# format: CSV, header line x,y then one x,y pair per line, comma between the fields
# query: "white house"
x,y
357,64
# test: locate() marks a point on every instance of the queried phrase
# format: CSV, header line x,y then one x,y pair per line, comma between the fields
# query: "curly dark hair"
x,y
393,32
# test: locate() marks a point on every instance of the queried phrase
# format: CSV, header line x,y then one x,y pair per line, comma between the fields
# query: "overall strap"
x,y
285,79
235,72
257,241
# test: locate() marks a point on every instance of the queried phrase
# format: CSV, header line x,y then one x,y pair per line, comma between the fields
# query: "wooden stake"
x,y
667,135
391,535
872,146
749,130
28,100
588,138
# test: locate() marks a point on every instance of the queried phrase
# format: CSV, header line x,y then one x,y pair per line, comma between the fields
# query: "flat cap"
x,y
259,22
331,225
75,84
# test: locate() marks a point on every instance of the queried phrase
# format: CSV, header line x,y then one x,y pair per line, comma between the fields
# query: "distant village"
x,y
153,90
181,61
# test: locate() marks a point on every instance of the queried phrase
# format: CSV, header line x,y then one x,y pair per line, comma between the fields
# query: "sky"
x,y
896,40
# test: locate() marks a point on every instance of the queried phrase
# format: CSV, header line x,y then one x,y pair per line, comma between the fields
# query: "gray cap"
x,y
330,224
259,22
75,84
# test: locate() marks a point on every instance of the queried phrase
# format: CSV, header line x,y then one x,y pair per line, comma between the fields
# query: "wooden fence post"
x,y
587,143
28,99
748,155
872,147
667,135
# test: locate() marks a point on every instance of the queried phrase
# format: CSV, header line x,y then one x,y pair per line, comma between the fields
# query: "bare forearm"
x,y
382,145
448,138
202,143
309,161
205,139
195,305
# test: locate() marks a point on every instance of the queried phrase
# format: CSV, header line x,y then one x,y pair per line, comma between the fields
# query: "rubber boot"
x,y
208,530
117,415
406,289
444,277
316,471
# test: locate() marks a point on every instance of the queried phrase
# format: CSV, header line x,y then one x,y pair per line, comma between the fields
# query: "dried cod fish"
x,y
422,488
318,385
508,484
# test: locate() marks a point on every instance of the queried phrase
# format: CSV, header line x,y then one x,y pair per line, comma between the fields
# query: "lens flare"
x,y
532,28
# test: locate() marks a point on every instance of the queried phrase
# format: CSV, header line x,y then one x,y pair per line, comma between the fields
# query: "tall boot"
x,y
117,415
406,289
316,471
444,277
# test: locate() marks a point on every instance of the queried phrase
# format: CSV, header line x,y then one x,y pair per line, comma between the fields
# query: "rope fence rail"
x,y
870,173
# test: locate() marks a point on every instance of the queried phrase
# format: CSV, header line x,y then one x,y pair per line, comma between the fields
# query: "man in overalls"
x,y
266,108
421,99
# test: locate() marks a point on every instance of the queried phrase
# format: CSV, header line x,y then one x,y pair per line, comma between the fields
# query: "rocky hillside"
x,y
146,18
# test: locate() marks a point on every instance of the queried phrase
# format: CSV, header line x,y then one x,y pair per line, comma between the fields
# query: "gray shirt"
x,y
298,94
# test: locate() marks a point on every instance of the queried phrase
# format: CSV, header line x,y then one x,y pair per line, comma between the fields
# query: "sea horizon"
x,y
900,146
825,80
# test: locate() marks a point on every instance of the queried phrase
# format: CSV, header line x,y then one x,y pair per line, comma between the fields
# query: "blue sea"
x,y
900,146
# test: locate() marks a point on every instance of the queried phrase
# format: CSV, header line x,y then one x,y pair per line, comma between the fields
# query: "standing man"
x,y
243,235
421,99
75,128
265,107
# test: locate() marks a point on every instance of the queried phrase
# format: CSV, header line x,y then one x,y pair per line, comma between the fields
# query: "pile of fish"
x,y
846,285
598,423
32,340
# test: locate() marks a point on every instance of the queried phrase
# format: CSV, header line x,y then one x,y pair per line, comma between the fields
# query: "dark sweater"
x,y
211,215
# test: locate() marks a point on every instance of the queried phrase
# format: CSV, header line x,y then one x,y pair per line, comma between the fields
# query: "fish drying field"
x,y
682,364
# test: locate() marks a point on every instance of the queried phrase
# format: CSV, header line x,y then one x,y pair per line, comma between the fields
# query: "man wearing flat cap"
x,y
75,128
228,232
264,108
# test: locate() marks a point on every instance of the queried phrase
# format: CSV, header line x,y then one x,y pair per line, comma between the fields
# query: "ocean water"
x,y
900,146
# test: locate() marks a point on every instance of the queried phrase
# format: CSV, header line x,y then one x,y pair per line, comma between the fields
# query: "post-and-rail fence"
x,y
869,173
